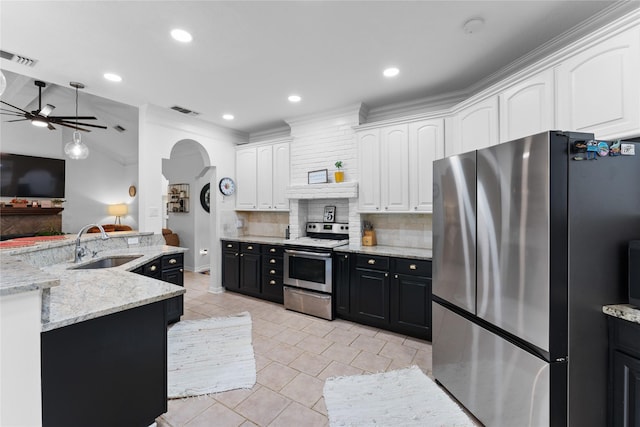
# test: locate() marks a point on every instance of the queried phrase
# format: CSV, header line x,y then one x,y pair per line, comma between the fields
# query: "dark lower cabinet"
x,y
250,268
231,265
390,293
624,373
108,371
272,269
168,268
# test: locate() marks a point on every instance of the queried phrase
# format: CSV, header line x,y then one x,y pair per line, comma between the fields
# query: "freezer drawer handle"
x,y
412,267
372,261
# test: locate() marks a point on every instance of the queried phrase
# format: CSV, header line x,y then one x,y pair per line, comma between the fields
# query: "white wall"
x,y
160,130
90,184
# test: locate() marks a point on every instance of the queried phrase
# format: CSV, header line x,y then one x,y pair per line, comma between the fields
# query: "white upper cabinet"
x,y
599,88
396,166
394,173
262,177
369,166
426,144
526,108
246,172
474,127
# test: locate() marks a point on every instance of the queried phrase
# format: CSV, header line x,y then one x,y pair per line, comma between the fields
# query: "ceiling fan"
x,y
41,116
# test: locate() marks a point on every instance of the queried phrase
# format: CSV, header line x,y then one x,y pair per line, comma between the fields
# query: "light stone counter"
x,y
257,239
18,276
394,251
623,311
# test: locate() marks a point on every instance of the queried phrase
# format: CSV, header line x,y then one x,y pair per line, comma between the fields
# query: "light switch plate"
x,y
133,240
628,149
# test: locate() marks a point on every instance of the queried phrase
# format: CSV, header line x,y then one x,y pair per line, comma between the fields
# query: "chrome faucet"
x,y
80,251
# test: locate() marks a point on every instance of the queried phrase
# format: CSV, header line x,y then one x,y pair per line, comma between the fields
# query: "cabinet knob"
x,y
153,268
272,261
241,254
386,274
412,267
346,256
172,261
236,253
272,272
229,245
272,250
272,282
181,270
250,247
372,261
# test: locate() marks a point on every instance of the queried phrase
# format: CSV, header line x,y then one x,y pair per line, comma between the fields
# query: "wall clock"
x,y
227,186
205,197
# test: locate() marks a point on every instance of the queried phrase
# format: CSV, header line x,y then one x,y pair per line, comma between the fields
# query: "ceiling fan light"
x,y
39,123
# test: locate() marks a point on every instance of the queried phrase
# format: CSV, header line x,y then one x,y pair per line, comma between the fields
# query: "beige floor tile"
x,y
223,416
364,330
418,344
275,376
267,328
262,345
337,369
321,407
248,424
298,415
283,353
371,362
391,337
263,406
318,328
304,389
341,353
423,360
370,344
233,398
311,364
261,361
291,336
398,352
342,336
314,344
298,321
181,411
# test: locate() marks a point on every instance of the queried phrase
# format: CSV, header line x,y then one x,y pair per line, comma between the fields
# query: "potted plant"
x,y
57,203
339,175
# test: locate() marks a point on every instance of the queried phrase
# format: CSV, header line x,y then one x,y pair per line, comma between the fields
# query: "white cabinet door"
x,y
526,108
369,166
599,88
246,168
474,127
394,172
264,196
426,144
280,175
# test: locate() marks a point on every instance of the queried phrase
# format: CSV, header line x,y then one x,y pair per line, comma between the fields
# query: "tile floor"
x,y
294,354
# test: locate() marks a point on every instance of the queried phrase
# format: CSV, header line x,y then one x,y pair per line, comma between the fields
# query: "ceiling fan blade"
x,y
72,126
16,120
74,117
50,126
11,113
81,124
17,108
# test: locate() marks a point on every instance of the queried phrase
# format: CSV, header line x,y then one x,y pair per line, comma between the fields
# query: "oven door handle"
x,y
316,255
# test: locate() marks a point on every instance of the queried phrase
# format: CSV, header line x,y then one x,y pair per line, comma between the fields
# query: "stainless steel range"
x,y
308,268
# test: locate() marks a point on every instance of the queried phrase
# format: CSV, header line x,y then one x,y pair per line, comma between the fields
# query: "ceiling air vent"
x,y
184,110
119,128
17,58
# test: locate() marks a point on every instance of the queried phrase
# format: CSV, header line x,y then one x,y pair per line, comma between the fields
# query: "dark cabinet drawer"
x,y
172,261
272,251
373,262
230,246
271,260
272,271
250,248
153,269
414,267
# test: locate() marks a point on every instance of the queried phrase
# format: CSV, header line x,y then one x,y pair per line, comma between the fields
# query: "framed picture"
x,y
329,214
318,177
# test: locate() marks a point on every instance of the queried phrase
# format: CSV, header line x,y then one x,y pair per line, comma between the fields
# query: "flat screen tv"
x,y
31,177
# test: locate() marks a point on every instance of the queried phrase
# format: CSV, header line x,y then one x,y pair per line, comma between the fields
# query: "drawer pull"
x,y
153,268
250,247
272,282
272,250
181,270
386,274
372,261
272,272
172,261
229,245
346,256
241,254
396,276
272,261
413,267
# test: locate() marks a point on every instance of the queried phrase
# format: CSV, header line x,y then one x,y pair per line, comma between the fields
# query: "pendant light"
x,y
75,149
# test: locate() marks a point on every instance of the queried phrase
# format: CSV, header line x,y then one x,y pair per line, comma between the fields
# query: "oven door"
x,y
308,270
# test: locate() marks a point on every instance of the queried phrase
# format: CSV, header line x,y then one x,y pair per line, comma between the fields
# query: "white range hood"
x,y
343,190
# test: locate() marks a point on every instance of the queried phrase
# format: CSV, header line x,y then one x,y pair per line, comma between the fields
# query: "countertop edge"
x,y
392,251
623,311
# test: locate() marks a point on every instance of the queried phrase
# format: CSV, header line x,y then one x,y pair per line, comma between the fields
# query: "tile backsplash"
x,y
269,224
403,230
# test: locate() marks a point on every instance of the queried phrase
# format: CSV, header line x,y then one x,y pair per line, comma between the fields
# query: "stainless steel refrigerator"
x,y
530,238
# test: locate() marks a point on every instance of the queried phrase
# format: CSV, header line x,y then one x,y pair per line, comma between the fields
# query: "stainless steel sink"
x,y
108,262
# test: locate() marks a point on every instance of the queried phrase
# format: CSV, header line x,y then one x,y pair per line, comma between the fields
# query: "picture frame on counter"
x,y
318,177
329,214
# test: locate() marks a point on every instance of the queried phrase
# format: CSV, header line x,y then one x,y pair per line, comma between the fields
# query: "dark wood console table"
x,y
29,221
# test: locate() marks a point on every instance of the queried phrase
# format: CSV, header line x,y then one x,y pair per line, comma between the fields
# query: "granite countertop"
x,y
257,239
18,276
87,294
395,251
623,311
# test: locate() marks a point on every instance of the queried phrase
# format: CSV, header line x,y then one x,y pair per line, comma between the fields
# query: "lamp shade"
x,y
118,210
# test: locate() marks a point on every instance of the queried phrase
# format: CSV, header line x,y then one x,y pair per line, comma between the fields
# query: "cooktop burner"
x,y
323,235
317,243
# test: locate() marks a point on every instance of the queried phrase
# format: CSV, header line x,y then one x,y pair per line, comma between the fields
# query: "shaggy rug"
x,y
405,397
210,356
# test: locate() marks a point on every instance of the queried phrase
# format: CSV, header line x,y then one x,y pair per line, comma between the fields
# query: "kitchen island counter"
x,y
394,251
623,311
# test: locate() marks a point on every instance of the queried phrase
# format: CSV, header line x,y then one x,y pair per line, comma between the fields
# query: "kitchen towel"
x,y
404,397
210,356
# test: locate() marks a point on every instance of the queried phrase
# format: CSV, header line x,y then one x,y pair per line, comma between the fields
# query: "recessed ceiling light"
x,y
181,35
391,72
112,77
294,98
228,116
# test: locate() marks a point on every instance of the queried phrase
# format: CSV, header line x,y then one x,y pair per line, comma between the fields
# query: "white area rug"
x,y
405,397
210,356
